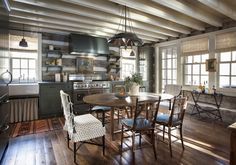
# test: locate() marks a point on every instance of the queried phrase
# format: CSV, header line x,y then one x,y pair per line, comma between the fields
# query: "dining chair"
x,y
121,111
173,119
80,128
100,110
139,124
172,89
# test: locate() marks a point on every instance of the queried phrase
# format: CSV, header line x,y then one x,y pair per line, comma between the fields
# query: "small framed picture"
x,y
84,65
211,65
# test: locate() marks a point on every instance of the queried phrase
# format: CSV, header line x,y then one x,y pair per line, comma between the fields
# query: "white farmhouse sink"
x,y
23,89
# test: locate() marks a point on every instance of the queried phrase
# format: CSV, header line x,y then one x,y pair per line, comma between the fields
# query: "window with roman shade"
x,y
225,45
225,42
195,53
195,47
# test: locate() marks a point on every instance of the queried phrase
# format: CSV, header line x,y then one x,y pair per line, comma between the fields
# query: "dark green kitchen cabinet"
x,y
49,98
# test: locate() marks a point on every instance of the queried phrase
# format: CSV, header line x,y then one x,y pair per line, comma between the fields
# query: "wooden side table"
x,y
233,144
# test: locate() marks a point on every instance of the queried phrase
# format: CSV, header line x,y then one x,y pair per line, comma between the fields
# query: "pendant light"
x,y
23,42
126,39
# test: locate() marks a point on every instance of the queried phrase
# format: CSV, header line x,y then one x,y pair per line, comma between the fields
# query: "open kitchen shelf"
x,y
53,54
54,68
53,61
113,60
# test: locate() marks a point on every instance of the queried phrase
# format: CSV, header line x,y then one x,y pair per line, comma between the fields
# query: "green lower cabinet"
x,y
49,98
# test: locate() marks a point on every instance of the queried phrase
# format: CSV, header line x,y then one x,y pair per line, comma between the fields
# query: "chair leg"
x,y
74,152
169,136
127,113
133,145
181,136
220,115
68,140
103,118
153,144
103,145
164,129
169,104
118,116
140,137
122,136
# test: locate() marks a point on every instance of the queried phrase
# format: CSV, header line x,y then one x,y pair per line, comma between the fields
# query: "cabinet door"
x,y
50,101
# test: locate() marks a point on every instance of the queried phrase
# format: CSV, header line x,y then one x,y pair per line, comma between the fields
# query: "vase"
x,y
134,89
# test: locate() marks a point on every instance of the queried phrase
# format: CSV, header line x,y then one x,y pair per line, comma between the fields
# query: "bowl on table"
x,y
121,96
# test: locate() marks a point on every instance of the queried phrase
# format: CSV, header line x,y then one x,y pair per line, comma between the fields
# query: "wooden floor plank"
x,y
205,143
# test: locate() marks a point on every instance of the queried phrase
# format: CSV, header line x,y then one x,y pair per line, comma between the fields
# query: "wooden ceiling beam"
x,y
100,15
159,11
190,10
33,29
113,8
222,7
61,21
58,26
20,7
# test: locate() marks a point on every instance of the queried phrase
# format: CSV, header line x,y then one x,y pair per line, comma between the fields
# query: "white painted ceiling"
x,y
152,20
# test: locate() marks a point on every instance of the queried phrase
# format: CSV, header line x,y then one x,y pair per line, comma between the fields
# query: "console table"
x,y
210,105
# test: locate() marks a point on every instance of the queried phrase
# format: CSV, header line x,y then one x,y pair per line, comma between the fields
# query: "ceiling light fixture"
x,y
125,39
23,42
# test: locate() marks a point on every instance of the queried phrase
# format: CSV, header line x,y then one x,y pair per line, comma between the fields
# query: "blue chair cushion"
x,y
141,123
164,118
101,108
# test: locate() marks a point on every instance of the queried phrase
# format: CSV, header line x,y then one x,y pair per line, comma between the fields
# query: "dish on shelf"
x,y
123,96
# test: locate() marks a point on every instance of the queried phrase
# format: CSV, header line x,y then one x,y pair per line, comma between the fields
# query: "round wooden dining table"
x,y
111,100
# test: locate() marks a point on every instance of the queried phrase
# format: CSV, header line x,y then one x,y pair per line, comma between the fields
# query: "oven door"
x,y
80,107
97,91
78,95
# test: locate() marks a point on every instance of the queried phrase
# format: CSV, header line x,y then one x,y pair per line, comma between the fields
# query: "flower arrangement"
x,y
135,78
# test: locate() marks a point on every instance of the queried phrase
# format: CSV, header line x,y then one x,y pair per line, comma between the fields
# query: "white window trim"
x,y
160,63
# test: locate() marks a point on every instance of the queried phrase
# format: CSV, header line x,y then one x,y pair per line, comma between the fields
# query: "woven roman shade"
x,y
194,47
225,42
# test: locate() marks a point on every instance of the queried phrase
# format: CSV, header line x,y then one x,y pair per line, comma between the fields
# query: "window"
x,y
143,65
127,63
143,69
227,69
195,69
23,69
22,62
169,66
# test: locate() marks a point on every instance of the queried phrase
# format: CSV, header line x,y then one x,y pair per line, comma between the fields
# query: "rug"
x,y
37,126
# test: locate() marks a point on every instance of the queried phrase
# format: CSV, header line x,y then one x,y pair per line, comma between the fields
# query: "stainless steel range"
x,y
86,87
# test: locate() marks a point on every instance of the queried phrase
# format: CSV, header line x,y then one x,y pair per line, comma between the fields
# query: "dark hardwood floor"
x,y
205,143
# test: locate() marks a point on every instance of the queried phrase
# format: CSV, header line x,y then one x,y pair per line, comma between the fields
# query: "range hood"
x,y
88,45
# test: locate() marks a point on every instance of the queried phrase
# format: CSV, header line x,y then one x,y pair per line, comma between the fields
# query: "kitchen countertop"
x,y
24,96
53,82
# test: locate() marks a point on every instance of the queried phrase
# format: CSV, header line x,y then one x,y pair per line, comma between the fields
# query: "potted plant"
x,y
133,83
